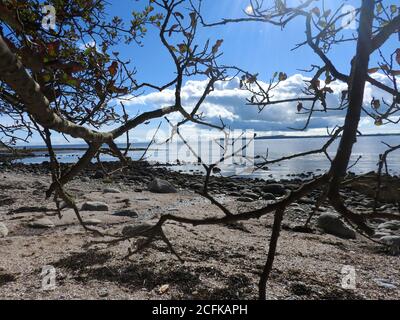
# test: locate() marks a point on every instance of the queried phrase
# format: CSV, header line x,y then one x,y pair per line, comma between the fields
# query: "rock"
x,y
331,223
234,194
216,170
306,201
99,175
6,201
3,230
390,225
379,235
251,195
126,213
275,189
136,230
393,241
302,229
103,293
300,210
92,222
197,186
94,206
85,179
111,190
268,196
161,186
383,283
164,289
245,199
300,289
44,223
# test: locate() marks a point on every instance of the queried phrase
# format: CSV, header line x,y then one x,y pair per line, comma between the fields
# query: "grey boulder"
x,y
161,186
390,225
94,206
44,223
331,223
268,196
393,241
275,189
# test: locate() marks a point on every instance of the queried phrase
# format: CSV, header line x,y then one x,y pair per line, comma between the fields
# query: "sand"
x,y
221,262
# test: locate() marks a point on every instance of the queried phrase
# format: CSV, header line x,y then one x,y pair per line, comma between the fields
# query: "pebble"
x,y
245,199
383,283
111,190
3,230
126,213
92,222
103,294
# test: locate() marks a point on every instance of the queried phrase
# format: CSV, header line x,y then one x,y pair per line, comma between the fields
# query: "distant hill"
x,y
322,136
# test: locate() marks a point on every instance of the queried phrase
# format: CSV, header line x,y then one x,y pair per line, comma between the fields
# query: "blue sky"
x,y
256,47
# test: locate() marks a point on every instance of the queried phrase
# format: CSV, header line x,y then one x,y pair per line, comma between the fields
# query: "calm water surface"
x,y
368,148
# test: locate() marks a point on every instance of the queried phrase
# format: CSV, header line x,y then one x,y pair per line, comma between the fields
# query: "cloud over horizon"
x,y
228,102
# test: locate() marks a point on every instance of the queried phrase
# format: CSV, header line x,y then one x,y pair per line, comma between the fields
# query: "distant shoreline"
x,y
282,137
78,147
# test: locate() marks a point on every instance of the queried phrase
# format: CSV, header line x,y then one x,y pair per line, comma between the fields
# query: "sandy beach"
x,y
221,262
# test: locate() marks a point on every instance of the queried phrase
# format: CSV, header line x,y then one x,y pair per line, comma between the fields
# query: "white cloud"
x,y
228,102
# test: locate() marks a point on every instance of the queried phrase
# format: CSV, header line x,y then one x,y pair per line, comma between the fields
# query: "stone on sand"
x,y
3,230
44,223
275,189
93,222
390,225
161,186
126,213
268,196
383,283
136,230
393,241
95,206
251,195
245,199
111,190
331,223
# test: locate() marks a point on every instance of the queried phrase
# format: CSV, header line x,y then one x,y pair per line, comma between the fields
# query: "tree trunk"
x,y
357,84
